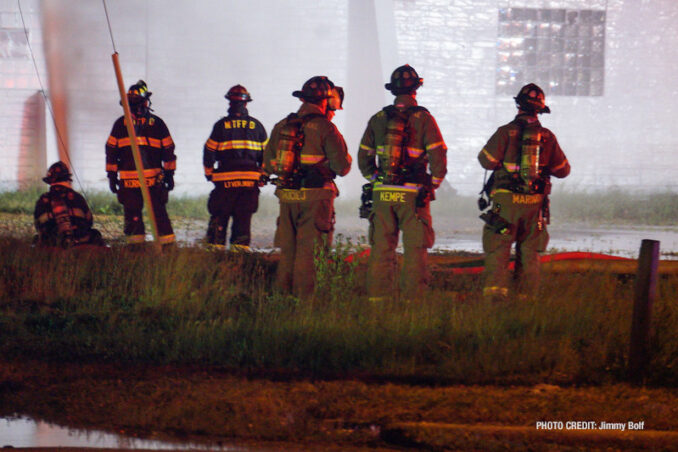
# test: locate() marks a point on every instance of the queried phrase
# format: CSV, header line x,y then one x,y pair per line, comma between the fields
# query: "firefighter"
x,y
403,155
522,155
306,152
62,216
236,146
159,161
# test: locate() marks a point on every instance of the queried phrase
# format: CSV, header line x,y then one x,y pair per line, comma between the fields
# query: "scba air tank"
x,y
289,149
394,147
530,151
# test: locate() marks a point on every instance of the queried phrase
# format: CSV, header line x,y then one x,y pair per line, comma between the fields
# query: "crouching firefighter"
x,y
236,146
400,145
522,155
62,216
306,152
157,155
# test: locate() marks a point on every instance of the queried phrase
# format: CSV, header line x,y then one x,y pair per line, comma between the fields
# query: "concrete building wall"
x,y
22,109
190,53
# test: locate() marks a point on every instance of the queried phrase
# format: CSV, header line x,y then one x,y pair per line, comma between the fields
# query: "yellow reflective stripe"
x,y
133,174
435,145
236,175
167,142
414,152
264,143
380,149
78,213
437,180
212,145
140,238
311,159
495,290
154,143
511,167
366,147
164,239
111,167
489,156
141,141
209,171
407,187
112,141
239,144
562,165
171,165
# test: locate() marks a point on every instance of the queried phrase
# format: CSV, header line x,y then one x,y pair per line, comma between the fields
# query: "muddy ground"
x,y
213,406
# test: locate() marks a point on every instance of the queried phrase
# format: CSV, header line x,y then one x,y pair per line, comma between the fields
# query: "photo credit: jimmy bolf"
x,y
589,425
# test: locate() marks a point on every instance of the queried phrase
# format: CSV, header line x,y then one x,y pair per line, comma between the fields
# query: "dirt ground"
x,y
214,406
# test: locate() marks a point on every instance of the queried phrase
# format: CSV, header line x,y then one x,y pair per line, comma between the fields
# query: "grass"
x,y
193,306
606,207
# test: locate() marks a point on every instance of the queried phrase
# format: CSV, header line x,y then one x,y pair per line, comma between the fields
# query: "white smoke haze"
x,y
191,52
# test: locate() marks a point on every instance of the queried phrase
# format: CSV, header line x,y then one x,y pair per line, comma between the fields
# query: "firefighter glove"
x,y
113,183
168,180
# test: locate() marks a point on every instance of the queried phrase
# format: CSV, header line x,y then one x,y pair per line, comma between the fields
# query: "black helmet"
x,y
58,172
404,80
238,93
315,89
531,99
138,93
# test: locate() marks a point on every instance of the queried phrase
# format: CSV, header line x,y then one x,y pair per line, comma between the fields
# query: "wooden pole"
x,y
145,192
646,291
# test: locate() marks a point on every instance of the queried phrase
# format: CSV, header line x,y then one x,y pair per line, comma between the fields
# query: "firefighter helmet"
x,y
58,172
404,80
139,99
336,102
138,93
315,89
531,99
238,93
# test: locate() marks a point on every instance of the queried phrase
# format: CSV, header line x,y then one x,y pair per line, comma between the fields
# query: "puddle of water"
x,y
621,241
26,432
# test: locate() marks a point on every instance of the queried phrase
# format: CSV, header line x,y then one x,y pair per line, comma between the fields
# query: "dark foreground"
x,y
217,407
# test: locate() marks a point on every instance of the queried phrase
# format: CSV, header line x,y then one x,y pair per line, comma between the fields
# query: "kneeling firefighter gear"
x,y
400,145
522,155
62,216
306,152
236,147
159,162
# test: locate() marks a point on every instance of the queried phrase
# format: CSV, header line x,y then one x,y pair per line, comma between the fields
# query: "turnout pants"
x,y
132,202
393,211
302,227
522,213
238,203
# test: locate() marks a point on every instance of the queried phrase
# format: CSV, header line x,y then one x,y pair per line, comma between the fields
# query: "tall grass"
x,y
195,306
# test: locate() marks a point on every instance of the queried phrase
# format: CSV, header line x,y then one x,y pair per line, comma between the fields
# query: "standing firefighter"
x,y
523,155
236,145
62,216
157,155
401,142
306,152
